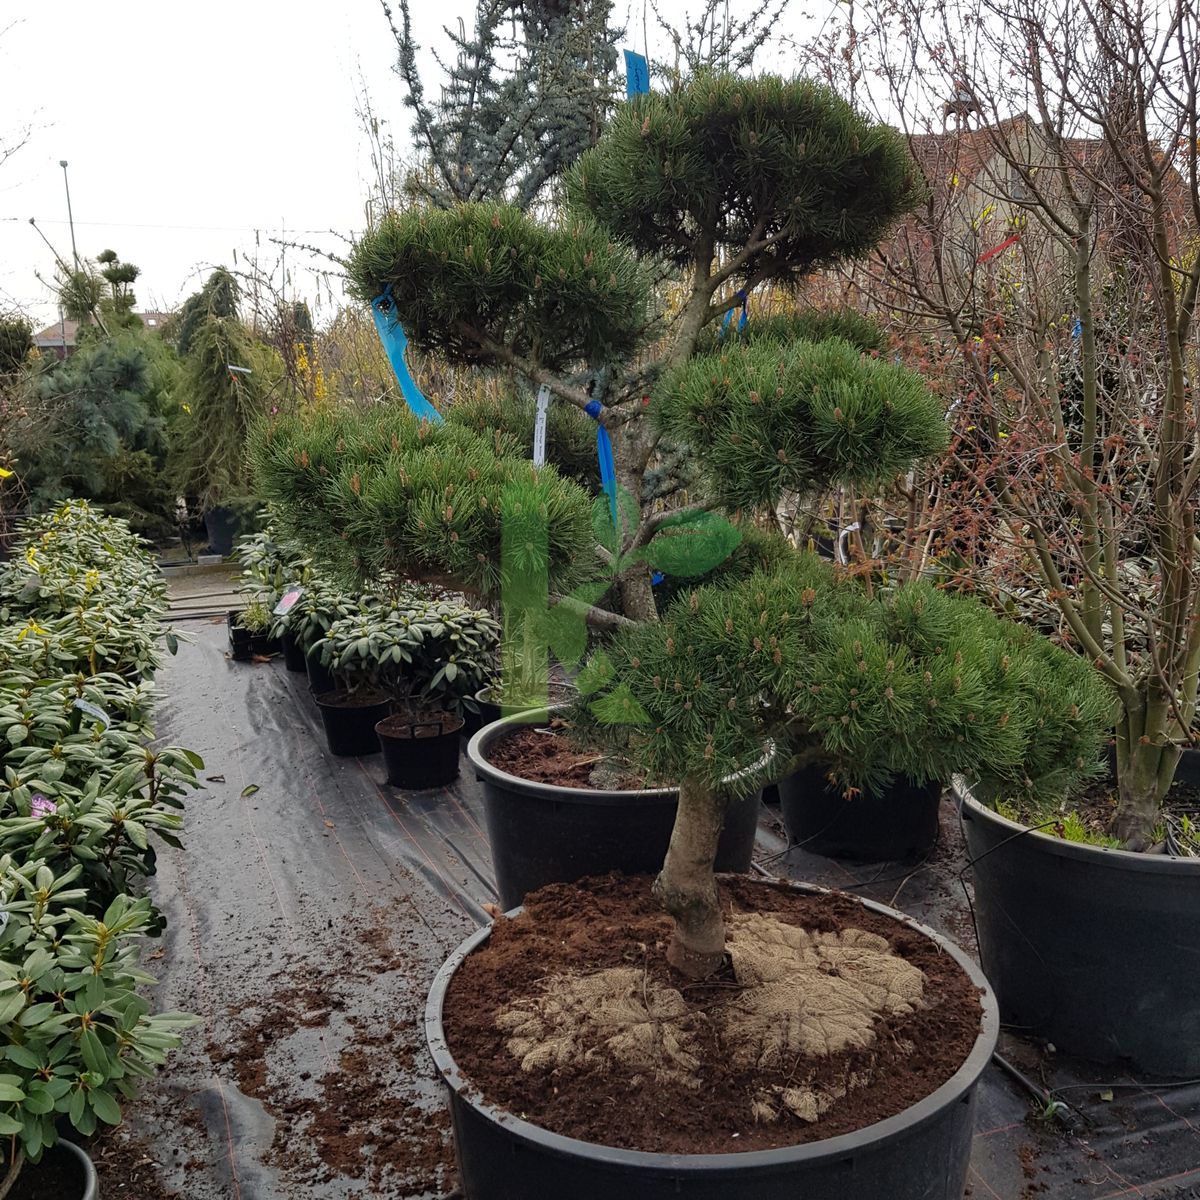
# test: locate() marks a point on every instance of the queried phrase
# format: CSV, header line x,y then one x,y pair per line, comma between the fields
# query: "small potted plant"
x,y
78,1037
309,621
353,649
434,658
250,631
274,566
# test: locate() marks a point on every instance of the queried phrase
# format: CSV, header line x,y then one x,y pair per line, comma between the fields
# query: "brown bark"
x,y
15,1163
687,887
1146,764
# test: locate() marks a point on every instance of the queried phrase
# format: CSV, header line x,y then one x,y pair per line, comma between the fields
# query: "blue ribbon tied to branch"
x,y
742,299
604,457
391,334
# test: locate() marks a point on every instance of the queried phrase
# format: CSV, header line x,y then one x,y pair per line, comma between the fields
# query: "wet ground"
x,y
311,907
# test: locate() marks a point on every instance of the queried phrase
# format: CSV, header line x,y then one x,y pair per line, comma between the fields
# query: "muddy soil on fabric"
x,y
302,932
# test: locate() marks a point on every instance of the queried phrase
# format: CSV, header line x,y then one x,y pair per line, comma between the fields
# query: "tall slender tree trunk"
x,y
687,887
631,452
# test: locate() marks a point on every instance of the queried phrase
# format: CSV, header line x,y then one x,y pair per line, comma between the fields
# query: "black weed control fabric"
x,y
313,903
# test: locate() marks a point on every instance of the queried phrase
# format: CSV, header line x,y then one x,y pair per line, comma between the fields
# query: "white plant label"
x,y
539,426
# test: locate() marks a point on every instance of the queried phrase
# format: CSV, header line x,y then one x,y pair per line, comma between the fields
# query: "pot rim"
x,y
1045,843
318,700
417,724
91,1182
843,1145
488,772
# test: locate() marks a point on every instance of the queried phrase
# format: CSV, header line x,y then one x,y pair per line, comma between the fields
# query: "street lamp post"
x,y
62,162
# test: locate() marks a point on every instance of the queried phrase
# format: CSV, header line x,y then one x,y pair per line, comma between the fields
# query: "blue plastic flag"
x,y
604,456
637,74
391,334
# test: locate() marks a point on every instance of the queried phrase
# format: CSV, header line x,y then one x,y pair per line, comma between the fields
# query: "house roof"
x,y
65,333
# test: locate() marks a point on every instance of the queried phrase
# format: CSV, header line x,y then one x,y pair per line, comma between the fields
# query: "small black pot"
x,y
921,1153
293,653
243,644
68,1173
350,728
899,822
420,751
540,833
320,677
1095,950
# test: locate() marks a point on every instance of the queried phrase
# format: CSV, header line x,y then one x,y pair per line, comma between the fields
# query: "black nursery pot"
x,y
540,833
239,639
222,526
921,1153
1095,950
350,727
420,751
320,677
899,822
65,1172
244,644
293,653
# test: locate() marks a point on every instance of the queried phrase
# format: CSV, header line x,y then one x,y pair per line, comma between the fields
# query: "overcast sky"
x,y
189,127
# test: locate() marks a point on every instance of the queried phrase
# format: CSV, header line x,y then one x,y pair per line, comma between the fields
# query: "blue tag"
x,y
637,74
604,456
391,334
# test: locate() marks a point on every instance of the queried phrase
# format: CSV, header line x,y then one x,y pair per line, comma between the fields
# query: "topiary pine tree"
x,y
720,184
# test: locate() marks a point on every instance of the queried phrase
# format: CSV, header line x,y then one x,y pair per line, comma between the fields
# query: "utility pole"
x,y
62,162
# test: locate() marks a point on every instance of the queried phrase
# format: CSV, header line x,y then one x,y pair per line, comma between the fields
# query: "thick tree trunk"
x,y
1146,765
687,887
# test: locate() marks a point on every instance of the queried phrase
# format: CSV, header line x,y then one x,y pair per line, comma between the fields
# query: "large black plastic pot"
x,y
350,728
320,677
293,653
899,822
222,525
1096,950
919,1154
420,751
540,833
65,1172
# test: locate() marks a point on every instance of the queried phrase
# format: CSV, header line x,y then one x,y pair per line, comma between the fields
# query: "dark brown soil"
x,y
362,699
1097,803
128,1167
555,757
419,725
615,922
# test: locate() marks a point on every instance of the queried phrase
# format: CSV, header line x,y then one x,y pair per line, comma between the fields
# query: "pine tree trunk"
x,y
687,887
631,451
